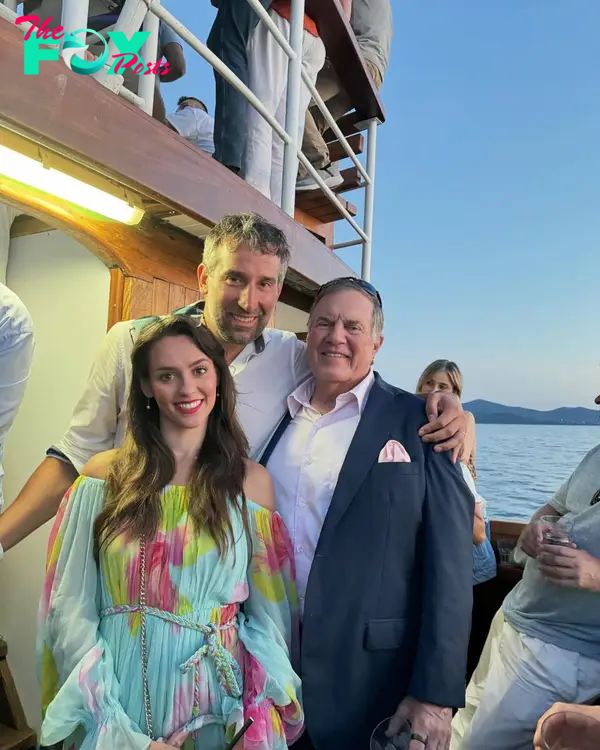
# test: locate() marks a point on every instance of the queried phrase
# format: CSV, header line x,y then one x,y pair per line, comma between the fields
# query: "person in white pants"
x,y
544,643
268,72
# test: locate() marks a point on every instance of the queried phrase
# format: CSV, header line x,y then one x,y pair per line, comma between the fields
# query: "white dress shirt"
x,y
306,463
196,126
16,354
263,379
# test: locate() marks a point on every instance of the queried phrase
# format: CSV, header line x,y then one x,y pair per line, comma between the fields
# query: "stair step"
x,y
16,739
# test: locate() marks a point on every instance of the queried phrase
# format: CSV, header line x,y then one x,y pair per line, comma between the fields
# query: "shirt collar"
x,y
359,394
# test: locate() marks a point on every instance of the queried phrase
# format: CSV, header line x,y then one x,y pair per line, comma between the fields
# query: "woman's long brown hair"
x,y
145,465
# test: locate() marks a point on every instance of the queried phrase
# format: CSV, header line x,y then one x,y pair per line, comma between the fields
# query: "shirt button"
x,y
302,504
300,548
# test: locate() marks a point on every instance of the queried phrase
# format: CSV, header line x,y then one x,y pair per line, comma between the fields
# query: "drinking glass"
x,y
558,530
569,730
400,741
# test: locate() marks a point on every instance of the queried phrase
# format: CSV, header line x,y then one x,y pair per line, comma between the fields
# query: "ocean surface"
x,y
520,467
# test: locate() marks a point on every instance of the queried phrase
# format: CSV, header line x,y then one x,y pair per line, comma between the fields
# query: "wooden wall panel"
x,y
115,301
132,297
137,298
176,296
191,296
160,297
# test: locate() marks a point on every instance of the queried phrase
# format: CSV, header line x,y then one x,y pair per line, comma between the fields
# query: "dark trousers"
x,y
304,743
228,39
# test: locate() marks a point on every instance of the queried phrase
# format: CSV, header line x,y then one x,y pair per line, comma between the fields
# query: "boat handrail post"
x,y
74,16
369,195
131,17
147,83
292,109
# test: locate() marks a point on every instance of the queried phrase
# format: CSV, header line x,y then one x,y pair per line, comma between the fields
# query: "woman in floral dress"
x,y
169,603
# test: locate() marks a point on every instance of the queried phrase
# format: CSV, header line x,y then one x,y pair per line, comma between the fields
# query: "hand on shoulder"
x,y
97,467
258,486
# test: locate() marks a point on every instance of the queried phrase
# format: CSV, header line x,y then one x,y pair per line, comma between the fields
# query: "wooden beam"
x,y
308,201
25,225
330,212
352,180
507,530
115,299
337,151
296,299
323,231
80,119
344,53
347,124
146,251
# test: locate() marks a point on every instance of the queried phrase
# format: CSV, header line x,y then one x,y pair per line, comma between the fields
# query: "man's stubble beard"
x,y
230,335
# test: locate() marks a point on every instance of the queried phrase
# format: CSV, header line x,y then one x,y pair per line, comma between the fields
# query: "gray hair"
x,y
249,229
354,285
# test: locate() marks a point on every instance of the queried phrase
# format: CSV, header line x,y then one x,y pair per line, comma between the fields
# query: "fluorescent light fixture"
x,y
31,172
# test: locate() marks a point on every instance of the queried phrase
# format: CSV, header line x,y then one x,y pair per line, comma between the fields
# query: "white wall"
x,y
66,290
289,319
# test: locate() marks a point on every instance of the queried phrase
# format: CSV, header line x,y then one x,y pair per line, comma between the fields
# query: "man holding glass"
x,y
544,643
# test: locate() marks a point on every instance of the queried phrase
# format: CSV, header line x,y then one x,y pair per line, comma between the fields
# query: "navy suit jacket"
x,y
388,603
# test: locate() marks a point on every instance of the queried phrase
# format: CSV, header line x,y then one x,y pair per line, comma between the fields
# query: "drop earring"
x,y
148,405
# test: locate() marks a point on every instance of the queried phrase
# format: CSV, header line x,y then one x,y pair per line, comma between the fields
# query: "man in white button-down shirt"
x,y
381,527
16,354
244,263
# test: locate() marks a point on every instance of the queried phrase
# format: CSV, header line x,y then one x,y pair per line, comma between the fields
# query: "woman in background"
x,y
444,375
168,604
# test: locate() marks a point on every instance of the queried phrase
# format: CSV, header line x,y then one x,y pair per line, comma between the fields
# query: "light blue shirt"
x,y
16,354
565,617
484,557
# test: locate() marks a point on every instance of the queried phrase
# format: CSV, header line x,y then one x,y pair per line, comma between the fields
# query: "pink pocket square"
x,y
393,452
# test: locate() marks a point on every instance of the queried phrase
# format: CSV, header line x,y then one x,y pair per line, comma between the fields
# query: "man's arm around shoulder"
x,y
92,430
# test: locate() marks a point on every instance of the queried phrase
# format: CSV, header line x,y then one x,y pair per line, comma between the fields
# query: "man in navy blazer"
x,y
382,531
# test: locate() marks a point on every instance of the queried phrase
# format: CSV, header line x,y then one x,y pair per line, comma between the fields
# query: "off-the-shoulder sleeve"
x,y
79,686
269,632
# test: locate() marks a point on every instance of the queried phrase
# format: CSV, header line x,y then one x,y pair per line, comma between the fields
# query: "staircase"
x,y
14,732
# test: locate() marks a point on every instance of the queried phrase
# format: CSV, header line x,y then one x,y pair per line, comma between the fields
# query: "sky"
x,y
487,206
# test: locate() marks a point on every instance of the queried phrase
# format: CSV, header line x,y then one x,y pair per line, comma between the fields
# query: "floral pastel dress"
x,y
217,630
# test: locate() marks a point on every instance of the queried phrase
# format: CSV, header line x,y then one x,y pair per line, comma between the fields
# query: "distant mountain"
x,y
486,412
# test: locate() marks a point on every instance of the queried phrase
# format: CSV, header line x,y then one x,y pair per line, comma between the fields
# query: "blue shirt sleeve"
x,y
166,35
484,559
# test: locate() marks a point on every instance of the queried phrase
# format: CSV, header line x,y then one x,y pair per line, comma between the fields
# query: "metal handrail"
x,y
334,126
217,64
183,32
151,12
231,78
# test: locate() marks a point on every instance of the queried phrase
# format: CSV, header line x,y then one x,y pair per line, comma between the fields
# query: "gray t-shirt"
x,y
371,21
565,617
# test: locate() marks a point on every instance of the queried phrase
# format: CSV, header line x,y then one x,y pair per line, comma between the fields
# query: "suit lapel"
x,y
371,435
